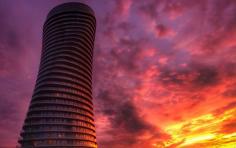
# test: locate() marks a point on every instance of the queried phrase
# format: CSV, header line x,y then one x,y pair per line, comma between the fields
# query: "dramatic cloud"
x,y
164,71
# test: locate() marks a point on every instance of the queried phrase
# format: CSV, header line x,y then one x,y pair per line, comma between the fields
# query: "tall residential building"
x,y
60,114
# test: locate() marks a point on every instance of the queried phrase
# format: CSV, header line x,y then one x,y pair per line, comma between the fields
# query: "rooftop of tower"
x,y
71,6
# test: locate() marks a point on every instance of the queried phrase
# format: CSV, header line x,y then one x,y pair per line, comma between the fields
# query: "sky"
x,y
164,73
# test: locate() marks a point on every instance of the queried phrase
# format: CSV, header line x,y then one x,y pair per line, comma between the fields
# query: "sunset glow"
x,y
202,130
164,72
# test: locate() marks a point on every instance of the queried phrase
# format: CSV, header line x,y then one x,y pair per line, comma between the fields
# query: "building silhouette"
x,y
60,114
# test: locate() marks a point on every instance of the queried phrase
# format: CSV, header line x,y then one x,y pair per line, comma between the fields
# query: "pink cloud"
x,y
155,64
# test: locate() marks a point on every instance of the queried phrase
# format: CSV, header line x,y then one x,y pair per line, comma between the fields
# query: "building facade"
x,y
61,109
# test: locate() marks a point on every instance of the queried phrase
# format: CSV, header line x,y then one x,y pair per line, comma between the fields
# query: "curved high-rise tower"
x,y
61,110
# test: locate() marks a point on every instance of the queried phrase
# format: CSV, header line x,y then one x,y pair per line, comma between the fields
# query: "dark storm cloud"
x,y
207,76
195,75
126,122
122,113
128,118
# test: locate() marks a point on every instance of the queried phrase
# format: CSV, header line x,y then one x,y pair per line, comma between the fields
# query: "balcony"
x,y
64,84
64,99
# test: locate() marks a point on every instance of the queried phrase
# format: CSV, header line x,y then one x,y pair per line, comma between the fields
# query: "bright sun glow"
x,y
201,131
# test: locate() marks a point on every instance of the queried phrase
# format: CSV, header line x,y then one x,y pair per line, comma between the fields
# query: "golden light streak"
x,y
203,131
195,139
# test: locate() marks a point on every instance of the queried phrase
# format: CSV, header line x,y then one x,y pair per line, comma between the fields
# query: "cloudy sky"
x,y
164,71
